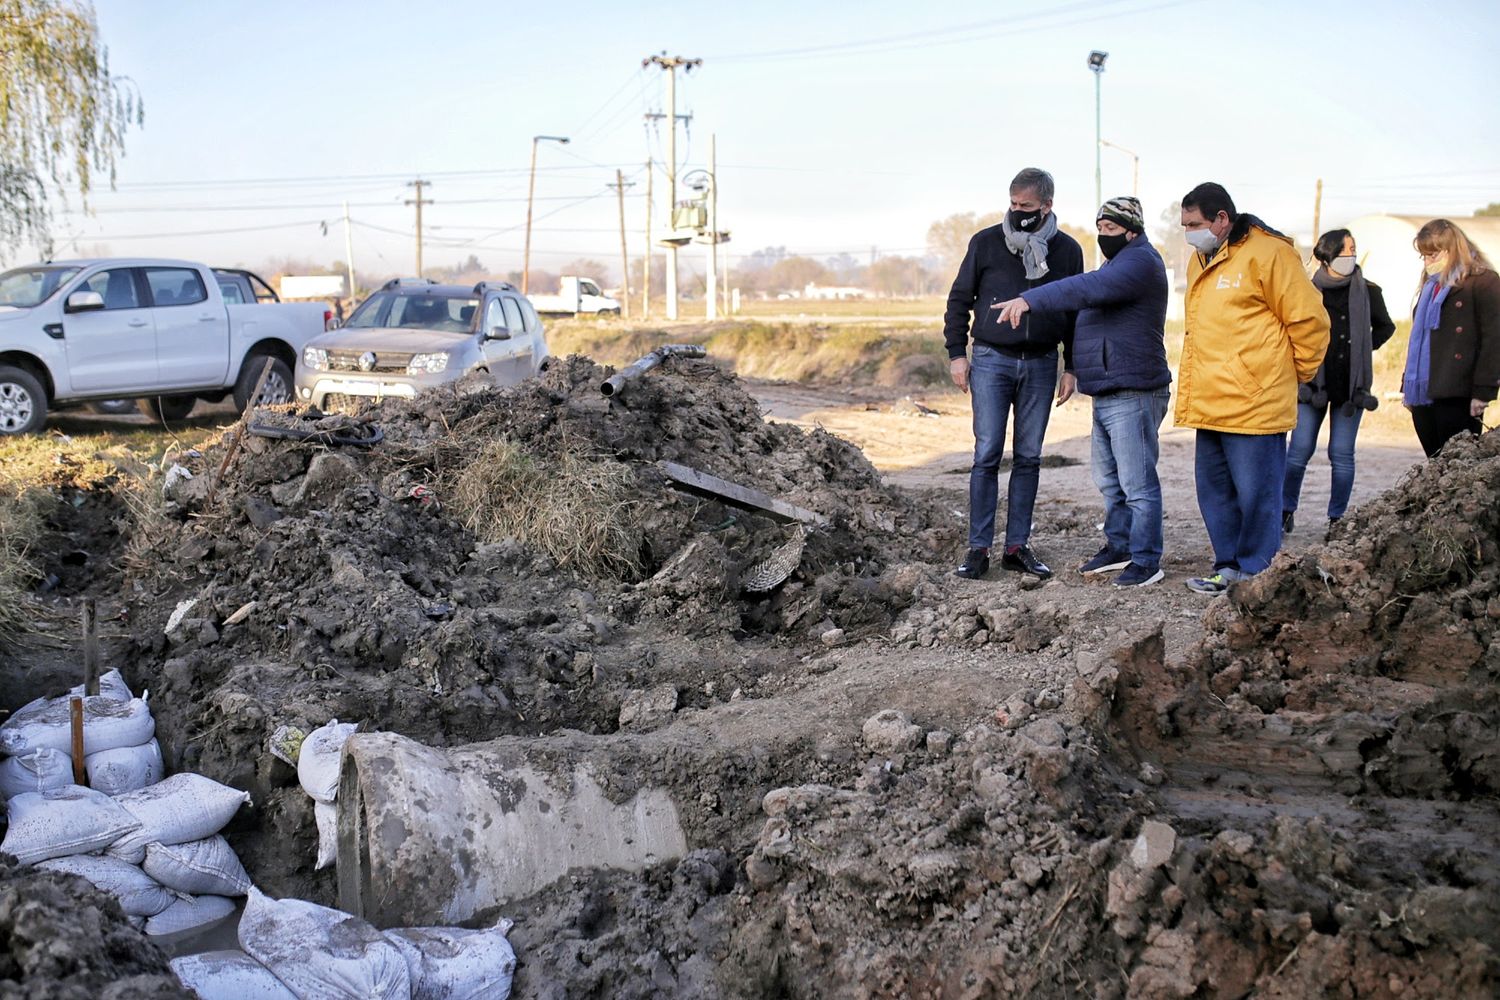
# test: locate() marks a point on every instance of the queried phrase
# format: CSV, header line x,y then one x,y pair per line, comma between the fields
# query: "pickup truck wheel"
x,y
23,401
167,409
278,387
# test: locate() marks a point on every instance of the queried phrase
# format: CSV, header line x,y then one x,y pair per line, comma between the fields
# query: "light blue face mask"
x,y
1202,240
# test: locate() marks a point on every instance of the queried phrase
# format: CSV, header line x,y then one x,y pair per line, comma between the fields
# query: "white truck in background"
x,y
161,331
577,296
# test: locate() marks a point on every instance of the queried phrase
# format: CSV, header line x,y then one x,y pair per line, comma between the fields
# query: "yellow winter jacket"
x,y
1255,328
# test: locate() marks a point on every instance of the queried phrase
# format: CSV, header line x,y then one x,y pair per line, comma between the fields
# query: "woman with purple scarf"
x,y
1341,391
1453,357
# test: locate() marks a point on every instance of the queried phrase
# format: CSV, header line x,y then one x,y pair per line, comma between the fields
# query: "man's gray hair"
x,y
1036,180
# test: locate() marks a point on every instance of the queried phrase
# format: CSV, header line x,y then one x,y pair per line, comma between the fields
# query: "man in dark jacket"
x,y
1012,368
1120,358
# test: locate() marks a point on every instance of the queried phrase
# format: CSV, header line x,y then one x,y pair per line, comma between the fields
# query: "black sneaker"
x,y
975,564
1136,575
1023,560
1288,522
1106,560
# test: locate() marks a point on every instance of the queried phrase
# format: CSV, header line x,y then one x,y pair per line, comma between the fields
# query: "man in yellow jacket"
x,y
1255,328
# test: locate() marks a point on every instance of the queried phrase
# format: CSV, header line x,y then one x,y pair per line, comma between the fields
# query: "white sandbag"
x,y
449,963
35,772
324,953
107,724
327,816
111,685
63,821
200,867
125,769
319,759
189,914
139,894
183,808
229,975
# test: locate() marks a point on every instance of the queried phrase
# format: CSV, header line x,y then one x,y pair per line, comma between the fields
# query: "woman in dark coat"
x,y
1453,357
1359,324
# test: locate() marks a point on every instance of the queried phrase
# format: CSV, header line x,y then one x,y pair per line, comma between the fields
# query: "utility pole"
x,y
619,185
418,201
530,197
1096,66
1135,172
1318,211
711,298
646,264
349,254
669,64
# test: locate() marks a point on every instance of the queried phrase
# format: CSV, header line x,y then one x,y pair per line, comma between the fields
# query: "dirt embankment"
x,y
1053,805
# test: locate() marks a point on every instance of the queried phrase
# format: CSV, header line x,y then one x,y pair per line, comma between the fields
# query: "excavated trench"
x,y
681,788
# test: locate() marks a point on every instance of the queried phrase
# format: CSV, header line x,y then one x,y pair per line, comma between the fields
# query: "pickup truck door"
x,y
192,328
114,348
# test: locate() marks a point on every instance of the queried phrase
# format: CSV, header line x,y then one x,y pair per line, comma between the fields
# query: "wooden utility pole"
x,y
711,299
349,255
418,201
646,268
619,185
670,64
1318,211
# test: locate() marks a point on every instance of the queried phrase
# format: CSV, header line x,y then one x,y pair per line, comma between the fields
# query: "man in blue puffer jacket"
x,y
1120,359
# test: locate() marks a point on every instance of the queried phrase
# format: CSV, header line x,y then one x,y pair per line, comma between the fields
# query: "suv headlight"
x,y
428,364
315,358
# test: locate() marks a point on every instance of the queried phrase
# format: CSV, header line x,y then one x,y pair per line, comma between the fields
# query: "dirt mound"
x,y
346,582
66,940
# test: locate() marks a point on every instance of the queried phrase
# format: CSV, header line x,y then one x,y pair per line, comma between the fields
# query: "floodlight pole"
x,y
1096,65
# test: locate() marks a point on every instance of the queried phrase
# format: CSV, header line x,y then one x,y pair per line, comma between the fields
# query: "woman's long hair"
x,y
1464,258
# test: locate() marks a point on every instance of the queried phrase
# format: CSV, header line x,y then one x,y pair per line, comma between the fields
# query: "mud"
x,y
891,783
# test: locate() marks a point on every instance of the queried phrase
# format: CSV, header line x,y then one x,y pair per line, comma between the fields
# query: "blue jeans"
x,y
1239,480
1125,449
998,383
1342,430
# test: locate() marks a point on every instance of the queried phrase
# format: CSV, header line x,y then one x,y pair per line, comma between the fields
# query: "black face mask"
x,y
1111,245
1024,222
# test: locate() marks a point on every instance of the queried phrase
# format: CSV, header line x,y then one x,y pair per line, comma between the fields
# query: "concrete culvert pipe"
x,y
434,837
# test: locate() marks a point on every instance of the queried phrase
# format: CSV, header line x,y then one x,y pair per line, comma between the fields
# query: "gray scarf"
x,y
1361,339
1031,246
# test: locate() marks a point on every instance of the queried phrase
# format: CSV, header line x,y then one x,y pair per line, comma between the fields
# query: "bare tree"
x,y
948,239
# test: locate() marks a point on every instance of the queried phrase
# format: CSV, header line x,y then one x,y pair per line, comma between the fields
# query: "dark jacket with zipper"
x,y
1122,312
991,274
1466,343
1335,371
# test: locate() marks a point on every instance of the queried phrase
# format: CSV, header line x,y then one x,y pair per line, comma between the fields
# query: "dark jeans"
x,y
1239,480
1342,431
999,383
1125,447
1441,420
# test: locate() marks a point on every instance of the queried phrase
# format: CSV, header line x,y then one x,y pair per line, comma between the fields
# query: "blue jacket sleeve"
x,y
1127,277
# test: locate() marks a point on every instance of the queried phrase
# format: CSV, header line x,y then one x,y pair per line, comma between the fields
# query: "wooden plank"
x,y
90,648
703,484
75,712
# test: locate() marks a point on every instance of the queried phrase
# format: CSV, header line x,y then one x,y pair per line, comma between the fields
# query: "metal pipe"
x,y
617,381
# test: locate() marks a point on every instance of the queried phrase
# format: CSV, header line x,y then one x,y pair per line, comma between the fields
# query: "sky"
x,y
839,127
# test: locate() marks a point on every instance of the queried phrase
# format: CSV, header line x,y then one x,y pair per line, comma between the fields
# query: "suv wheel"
x,y
167,409
278,387
23,401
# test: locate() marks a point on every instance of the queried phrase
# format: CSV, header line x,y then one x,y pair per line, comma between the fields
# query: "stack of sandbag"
x,y
296,949
318,756
155,849
121,753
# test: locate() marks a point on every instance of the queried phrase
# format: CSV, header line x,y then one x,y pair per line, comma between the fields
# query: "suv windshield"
x,y
415,311
31,286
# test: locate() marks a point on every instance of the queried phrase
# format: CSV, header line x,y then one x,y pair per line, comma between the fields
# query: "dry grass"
x,y
580,510
21,530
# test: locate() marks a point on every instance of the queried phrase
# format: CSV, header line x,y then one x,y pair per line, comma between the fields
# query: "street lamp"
x,y
530,197
1135,174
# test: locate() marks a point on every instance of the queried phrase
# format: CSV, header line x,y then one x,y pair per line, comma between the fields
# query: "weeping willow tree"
x,y
63,116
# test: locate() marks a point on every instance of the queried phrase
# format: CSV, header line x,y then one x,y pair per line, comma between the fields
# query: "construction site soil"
x,y
891,784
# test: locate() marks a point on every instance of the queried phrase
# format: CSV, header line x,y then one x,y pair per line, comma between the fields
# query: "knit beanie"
x,y
1124,210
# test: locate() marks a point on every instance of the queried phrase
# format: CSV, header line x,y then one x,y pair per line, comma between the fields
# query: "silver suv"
x,y
414,334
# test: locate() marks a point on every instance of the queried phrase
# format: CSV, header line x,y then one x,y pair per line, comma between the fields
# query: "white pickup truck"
x,y
162,331
576,297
